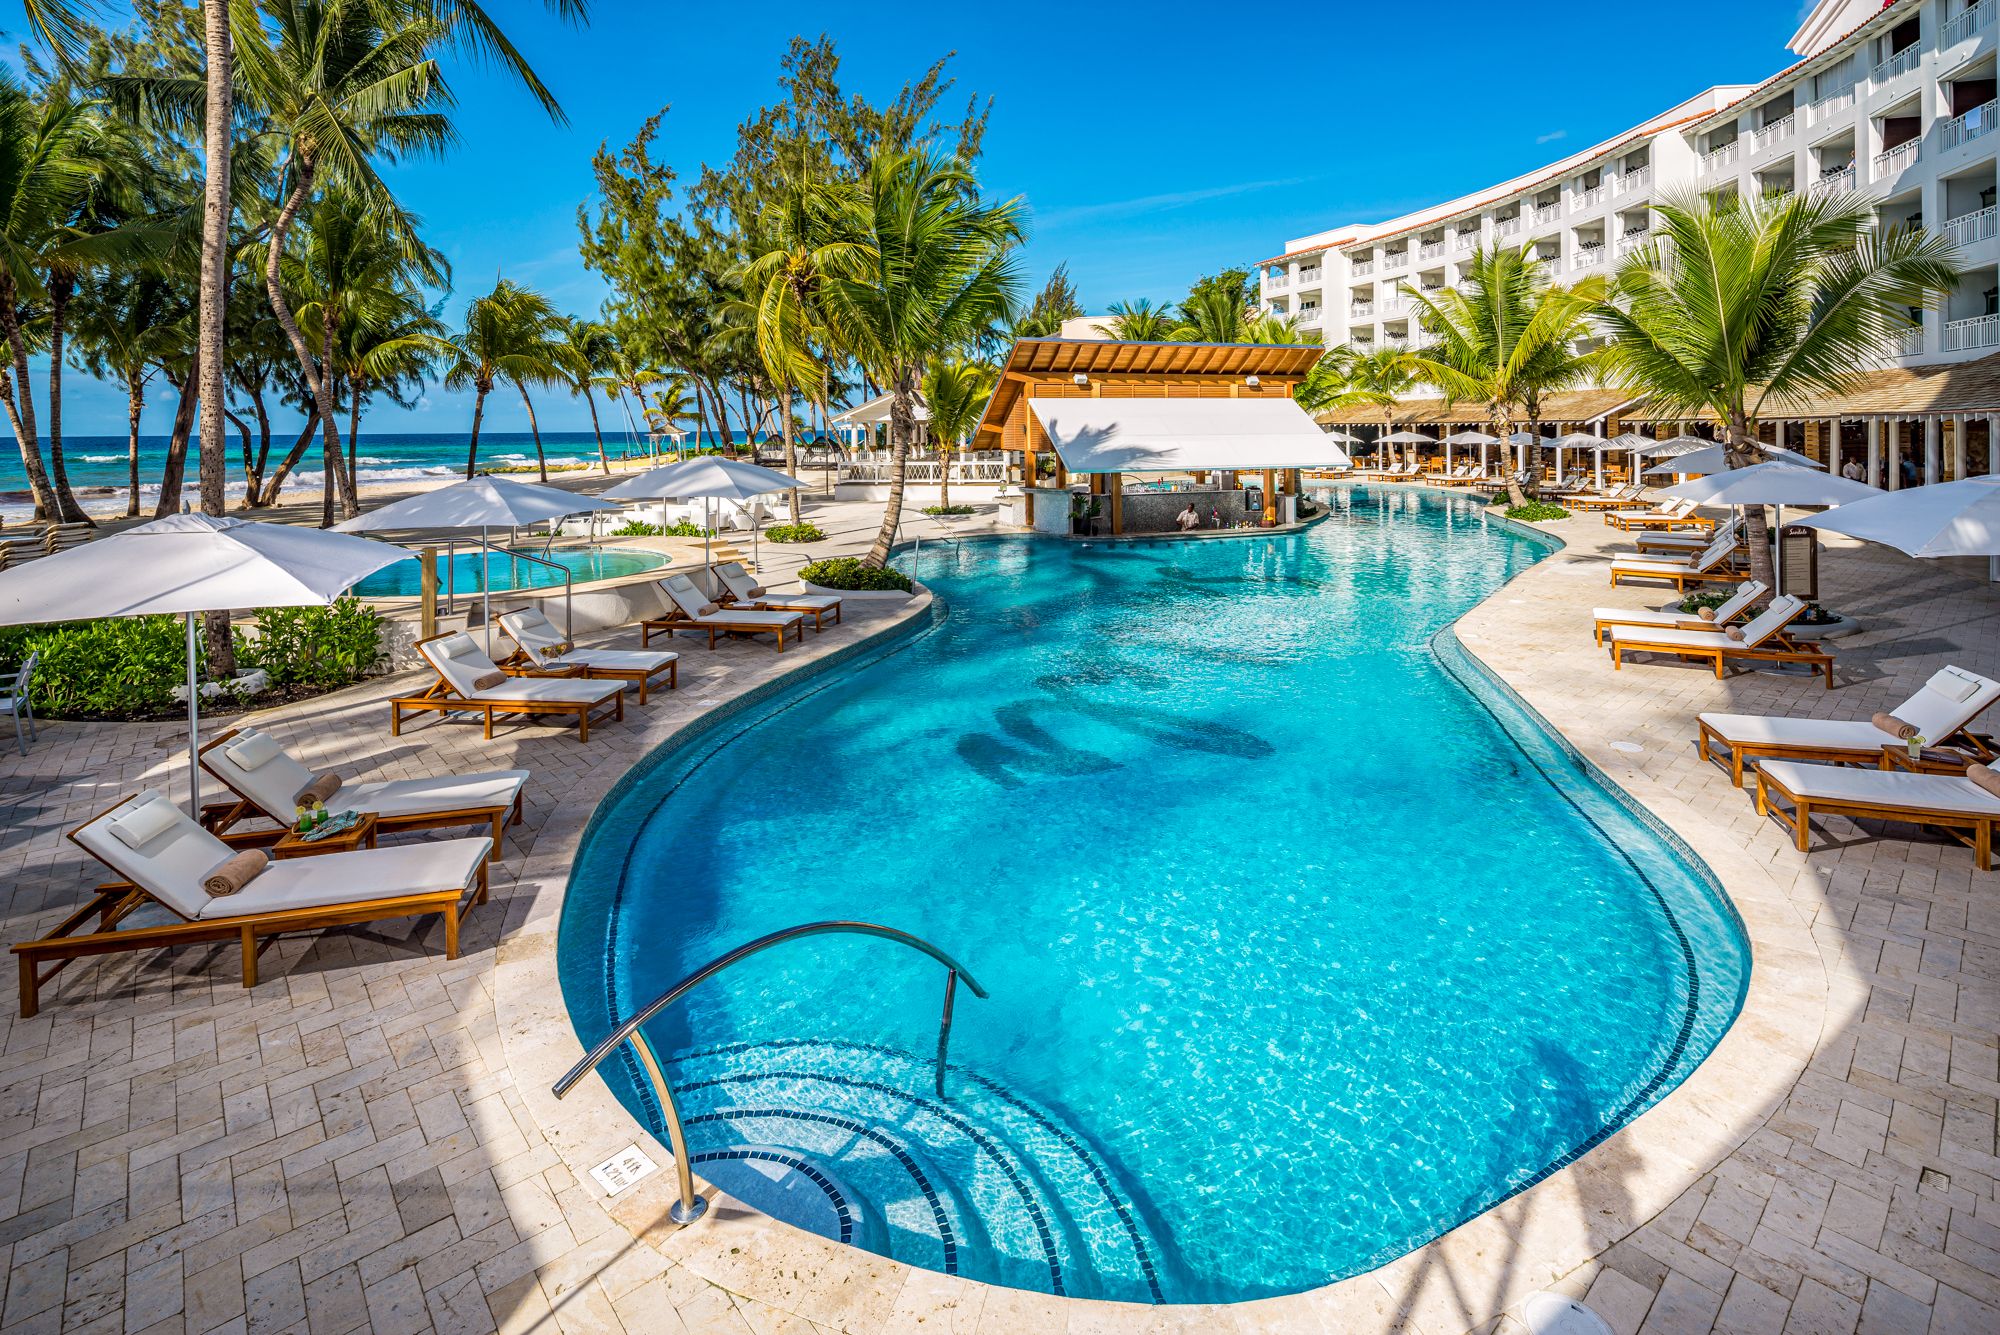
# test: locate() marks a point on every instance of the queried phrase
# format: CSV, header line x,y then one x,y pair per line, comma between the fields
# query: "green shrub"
x,y
115,668
1537,511
685,528
637,528
935,510
319,648
802,531
1694,602
847,572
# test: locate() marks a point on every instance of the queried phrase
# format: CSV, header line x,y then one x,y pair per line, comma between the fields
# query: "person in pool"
x,y
1188,519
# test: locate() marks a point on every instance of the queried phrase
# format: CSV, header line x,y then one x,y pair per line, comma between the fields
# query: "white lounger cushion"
x,y
1746,593
1768,623
459,660
273,786
737,580
172,865
538,637
1932,711
1918,792
686,597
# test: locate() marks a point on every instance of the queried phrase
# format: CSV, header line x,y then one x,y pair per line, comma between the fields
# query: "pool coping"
x,y
1529,1241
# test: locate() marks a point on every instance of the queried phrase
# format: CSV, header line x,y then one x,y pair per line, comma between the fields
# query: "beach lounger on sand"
x,y
165,858
1939,712
461,666
542,649
1944,801
743,591
1710,565
1763,641
687,609
1738,604
266,780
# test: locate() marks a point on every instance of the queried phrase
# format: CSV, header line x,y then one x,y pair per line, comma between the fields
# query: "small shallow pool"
x,y
1305,942
469,572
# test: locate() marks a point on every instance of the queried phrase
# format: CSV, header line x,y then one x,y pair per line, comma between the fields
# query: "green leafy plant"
x,y
1535,512
936,510
120,667
320,648
803,531
1694,602
848,572
637,528
685,528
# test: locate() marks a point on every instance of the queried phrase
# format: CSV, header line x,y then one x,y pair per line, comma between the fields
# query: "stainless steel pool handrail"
x,y
691,1206
569,615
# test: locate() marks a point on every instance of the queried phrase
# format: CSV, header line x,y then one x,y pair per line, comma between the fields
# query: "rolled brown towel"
x,y
1733,632
1706,613
486,681
756,590
710,609
1983,776
319,792
1894,726
237,872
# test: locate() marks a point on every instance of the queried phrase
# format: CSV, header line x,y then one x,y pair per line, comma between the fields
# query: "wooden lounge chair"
x,y
266,780
1709,566
460,663
1610,500
164,857
1737,606
1679,546
1943,801
542,650
1764,641
1940,712
687,609
1677,513
739,590
1462,473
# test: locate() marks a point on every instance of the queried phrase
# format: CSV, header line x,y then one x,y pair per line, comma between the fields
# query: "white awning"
x,y
1178,435
874,413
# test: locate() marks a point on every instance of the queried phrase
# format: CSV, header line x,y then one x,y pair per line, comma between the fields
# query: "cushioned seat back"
x,y
1716,551
1781,613
534,632
686,597
1748,592
1951,699
170,865
736,579
459,660
273,786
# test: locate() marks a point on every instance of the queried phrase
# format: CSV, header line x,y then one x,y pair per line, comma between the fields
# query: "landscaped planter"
x,y
864,594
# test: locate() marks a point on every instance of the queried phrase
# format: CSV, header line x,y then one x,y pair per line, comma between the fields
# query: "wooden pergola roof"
x,y
1570,405
1917,391
1045,358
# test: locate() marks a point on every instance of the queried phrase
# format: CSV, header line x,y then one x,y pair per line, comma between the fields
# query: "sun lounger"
x,y
740,590
461,664
1944,801
1677,546
1617,496
266,780
164,858
1738,604
1677,513
687,609
1939,711
1397,473
1711,565
1764,641
542,649
1462,473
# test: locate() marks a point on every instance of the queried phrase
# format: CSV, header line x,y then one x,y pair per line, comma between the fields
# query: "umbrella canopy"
x,y
1343,437
184,564
1775,483
1471,438
1713,458
1678,445
1945,519
480,502
1577,440
729,479
1408,438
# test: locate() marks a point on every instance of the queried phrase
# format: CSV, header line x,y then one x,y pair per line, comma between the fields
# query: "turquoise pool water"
x,y
1304,943
469,572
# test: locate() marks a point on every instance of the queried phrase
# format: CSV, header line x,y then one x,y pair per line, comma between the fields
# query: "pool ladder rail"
x,y
691,1206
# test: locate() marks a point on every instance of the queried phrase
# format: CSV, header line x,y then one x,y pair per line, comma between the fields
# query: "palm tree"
x,y
1771,302
123,332
1346,378
955,391
669,408
1275,330
938,270
506,337
1504,338
1140,321
1211,316
588,348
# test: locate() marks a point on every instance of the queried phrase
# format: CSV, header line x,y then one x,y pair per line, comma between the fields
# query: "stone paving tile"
x,y
347,1146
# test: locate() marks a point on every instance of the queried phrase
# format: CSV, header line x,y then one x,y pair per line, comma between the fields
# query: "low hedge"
x,y
847,572
936,510
1536,512
803,531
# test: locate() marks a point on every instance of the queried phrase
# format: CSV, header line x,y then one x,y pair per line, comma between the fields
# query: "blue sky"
x,y
1153,143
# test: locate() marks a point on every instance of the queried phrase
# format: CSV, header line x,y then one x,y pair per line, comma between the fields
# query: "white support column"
x,y
1874,452
1895,460
1831,434
1933,450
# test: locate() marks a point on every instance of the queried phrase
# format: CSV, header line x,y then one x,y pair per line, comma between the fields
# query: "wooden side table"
x,y
1933,760
359,835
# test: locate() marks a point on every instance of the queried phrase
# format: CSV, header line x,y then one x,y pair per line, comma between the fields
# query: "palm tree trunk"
x,y
172,472
21,406
318,377
902,426
211,358
254,482
590,400
1515,495
135,404
791,444
290,461
535,429
1741,453
354,438
479,393
67,509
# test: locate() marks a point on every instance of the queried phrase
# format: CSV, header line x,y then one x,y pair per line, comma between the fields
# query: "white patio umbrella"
x,y
1675,446
1777,484
1406,438
185,564
482,503
1713,458
1479,438
707,477
1343,437
1944,519
1575,440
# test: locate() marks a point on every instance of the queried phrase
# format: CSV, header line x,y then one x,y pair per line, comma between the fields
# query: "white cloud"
x,y
1551,136
1143,204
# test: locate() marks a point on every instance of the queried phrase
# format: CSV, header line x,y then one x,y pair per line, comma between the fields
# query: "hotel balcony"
x,y
1361,268
1893,66
1547,213
1399,260
1831,105
1966,23
1971,125
1430,250
1637,179
1898,159
1309,318
1277,282
1911,344
1971,228
1360,310
1587,257
1308,277
1981,331
1717,159
1393,305
1833,182
1634,240
1396,341
1777,132
1507,226
1586,198
1468,240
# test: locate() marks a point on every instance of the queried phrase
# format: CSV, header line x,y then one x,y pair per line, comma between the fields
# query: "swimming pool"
x,y
466,571
1304,942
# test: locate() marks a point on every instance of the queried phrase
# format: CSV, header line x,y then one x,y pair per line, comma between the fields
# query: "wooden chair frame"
x,y
521,665
1786,650
1707,740
1719,573
442,697
778,604
679,620
1799,819
1627,523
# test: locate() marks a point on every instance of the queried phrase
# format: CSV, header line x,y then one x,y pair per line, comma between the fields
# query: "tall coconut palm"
x,y
123,331
1770,303
667,409
938,270
955,391
1211,315
1504,338
506,336
1379,378
1140,321
587,348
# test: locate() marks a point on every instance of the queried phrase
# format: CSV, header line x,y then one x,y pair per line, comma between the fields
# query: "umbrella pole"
x,y
194,725
486,589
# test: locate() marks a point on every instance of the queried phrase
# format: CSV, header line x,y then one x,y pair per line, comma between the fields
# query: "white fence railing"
x,y
1911,344
1399,260
1718,158
1832,104
1833,182
1971,227
1631,241
1966,22
1360,310
1430,250
1584,199
1308,318
1587,257
1981,331
1775,133
1360,268
1898,159
1468,240
1970,125
1507,226
1902,62
875,466
1308,276
1276,281
1636,179
1547,213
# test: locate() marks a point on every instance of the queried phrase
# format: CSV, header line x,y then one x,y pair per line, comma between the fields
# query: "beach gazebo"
x,y
1154,427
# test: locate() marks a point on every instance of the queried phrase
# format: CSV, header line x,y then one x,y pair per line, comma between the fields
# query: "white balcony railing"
x,y
1468,240
1583,199
1360,310
1636,179
1775,133
1981,331
1277,282
1507,226
1430,250
1902,62
1898,159
1392,305
966,466
1970,228
1361,268
1399,260
1633,240
1837,181
1307,277
1911,344
1587,257
1965,128
1718,158
1397,341
1308,318
1552,258
1832,104
1547,213
1966,22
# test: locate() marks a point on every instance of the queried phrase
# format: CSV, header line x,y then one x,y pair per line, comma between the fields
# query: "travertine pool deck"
x,y
366,1140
